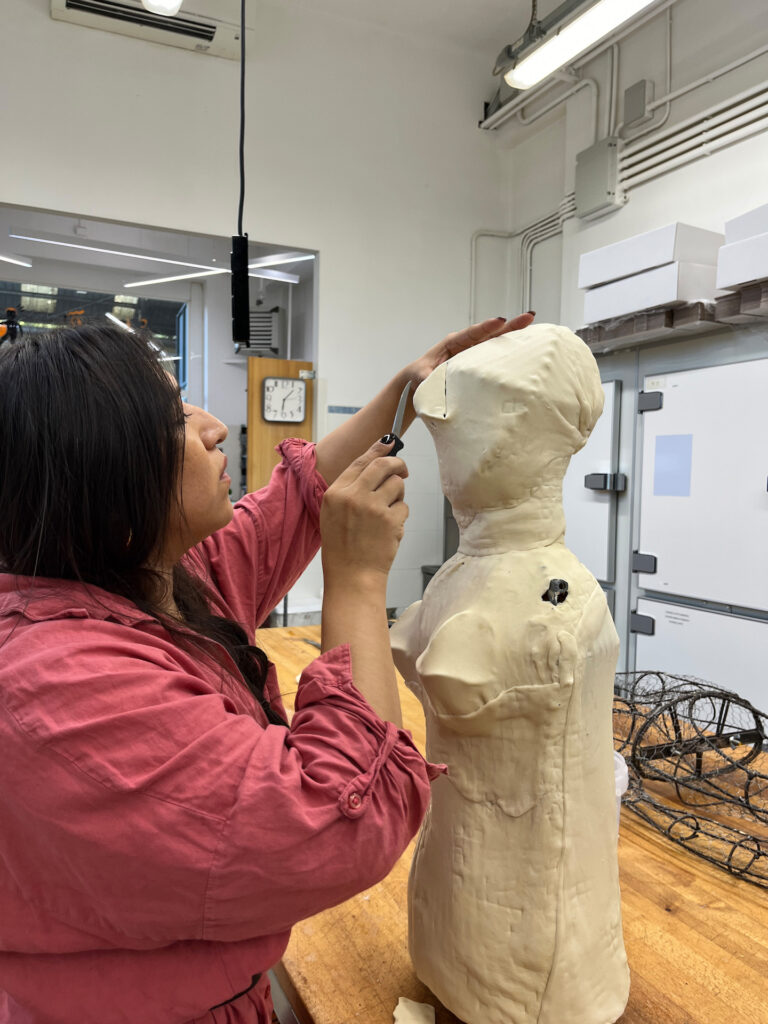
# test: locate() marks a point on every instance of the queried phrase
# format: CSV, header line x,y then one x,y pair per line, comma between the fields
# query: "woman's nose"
x,y
215,431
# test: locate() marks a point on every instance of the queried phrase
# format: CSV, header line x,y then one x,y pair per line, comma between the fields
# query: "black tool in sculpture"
x,y
556,592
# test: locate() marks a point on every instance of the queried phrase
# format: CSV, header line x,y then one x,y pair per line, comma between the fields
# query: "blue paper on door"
x,y
672,465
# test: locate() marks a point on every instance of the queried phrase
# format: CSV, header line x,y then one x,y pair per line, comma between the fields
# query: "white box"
x,y
743,262
754,222
673,243
671,285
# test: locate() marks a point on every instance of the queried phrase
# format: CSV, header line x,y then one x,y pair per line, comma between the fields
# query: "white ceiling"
x,y
482,25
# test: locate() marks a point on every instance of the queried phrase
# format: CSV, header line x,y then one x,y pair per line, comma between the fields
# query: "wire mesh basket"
x,y
697,757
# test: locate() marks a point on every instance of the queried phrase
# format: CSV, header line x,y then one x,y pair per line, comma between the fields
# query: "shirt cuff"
x,y
329,677
301,458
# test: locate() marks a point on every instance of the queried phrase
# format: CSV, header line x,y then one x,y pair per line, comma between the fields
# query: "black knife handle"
x,y
388,439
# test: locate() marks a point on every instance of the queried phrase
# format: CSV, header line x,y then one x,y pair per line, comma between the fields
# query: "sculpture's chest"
x,y
508,589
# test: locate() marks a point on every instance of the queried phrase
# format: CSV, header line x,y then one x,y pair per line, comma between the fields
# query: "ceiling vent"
x,y
192,29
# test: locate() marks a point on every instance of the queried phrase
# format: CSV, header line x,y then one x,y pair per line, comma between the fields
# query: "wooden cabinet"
x,y
263,436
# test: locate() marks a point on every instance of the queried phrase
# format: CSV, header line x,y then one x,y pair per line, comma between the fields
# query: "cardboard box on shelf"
x,y
675,243
743,262
670,285
753,222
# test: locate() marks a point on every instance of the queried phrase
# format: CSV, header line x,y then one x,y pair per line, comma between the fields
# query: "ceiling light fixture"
x,y
269,275
110,252
19,263
177,277
563,40
278,260
167,8
119,323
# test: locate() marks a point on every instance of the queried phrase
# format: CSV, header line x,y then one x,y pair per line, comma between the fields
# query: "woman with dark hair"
x,y
161,825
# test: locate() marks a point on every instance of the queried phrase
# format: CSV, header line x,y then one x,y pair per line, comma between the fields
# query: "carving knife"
x,y
397,426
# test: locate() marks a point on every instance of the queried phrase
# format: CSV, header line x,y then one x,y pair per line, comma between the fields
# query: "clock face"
x,y
284,400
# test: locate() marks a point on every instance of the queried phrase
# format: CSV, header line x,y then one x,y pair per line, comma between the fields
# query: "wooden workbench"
x,y
696,937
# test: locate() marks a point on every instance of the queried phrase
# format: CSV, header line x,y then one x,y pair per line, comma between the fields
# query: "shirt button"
x,y
354,800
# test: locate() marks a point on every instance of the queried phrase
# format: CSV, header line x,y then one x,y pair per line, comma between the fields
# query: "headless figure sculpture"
x,y
513,904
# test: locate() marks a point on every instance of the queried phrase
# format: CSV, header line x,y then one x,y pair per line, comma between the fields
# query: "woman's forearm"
x,y
354,613
344,444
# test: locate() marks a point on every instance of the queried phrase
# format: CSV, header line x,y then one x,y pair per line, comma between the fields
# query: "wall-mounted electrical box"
x,y
597,179
637,100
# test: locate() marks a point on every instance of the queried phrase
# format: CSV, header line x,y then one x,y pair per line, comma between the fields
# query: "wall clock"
x,y
284,400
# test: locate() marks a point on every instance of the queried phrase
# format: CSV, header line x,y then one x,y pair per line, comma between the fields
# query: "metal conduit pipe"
x,y
630,149
527,284
511,108
480,233
491,233
706,79
652,128
550,227
613,95
703,138
705,149
712,118
562,99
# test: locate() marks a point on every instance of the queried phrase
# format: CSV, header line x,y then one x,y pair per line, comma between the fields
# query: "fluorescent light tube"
x,y
177,277
165,7
571,40
270,275
275,275
19,263
277,261
119,323
111,252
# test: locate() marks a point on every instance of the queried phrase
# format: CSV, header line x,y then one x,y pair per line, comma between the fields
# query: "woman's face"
x,y
203,506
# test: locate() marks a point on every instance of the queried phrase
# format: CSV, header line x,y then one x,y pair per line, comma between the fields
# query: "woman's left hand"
x,y
458,341
342,446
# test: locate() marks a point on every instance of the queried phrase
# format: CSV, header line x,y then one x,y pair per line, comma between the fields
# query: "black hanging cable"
x,y
241,316
242,119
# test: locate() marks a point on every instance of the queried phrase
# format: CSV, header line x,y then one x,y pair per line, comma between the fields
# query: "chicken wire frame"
x,y
688,739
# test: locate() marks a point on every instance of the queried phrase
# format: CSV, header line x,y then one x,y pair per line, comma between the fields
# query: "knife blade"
x,y
397,426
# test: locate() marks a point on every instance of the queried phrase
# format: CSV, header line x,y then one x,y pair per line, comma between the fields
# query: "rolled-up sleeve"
x,y
274,534
320,814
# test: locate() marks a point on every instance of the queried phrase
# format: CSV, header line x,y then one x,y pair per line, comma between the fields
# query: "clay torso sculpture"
x,y
514,907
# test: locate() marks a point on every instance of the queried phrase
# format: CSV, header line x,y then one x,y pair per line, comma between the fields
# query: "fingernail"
x,y
500,318
531,312
387,439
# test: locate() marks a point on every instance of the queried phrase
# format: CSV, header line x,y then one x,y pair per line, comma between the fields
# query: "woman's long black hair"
x,y
91,453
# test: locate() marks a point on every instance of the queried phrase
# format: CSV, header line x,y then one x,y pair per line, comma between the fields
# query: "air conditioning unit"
x,y
206,26
268,333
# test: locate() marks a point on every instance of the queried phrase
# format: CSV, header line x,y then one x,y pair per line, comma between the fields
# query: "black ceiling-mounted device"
x,y
241,313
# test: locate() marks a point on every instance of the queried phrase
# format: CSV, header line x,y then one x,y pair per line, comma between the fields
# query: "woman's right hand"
x,y
363,516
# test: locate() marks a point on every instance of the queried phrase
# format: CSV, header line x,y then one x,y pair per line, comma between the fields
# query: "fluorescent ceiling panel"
x,y
572,40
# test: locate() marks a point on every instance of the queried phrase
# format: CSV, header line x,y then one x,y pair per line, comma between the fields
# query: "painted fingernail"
x,y
387,439
531,312
500,318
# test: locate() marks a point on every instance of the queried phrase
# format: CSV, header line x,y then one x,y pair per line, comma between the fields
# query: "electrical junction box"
x,y
597,179
637,99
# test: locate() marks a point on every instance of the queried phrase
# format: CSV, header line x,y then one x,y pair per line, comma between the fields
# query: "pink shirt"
x,y
158,839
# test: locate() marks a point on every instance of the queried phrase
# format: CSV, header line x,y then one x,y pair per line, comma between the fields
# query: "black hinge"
x,y
643,563
649,401
606,482
642,624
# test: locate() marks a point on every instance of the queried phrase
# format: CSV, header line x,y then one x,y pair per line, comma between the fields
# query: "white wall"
x,y
360,144
541,158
